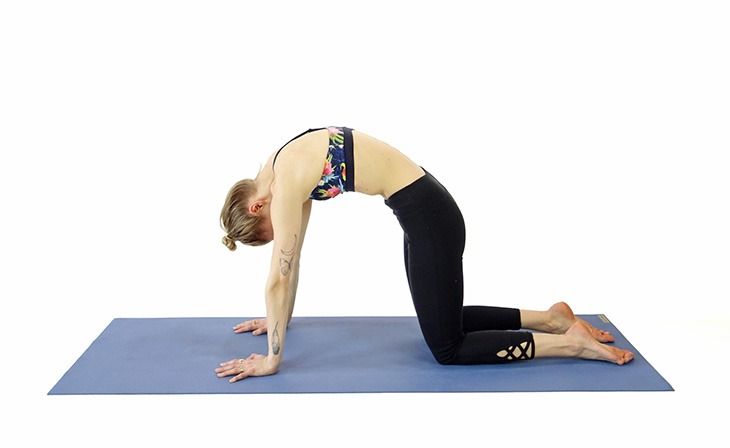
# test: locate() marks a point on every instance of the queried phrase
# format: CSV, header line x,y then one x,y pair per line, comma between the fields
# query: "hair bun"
x,y
229,242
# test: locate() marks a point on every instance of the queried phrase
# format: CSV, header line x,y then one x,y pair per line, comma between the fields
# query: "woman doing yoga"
x,y
275,206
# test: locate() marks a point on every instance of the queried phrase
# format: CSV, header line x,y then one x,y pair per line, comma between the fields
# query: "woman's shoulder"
x,y
299,163
306,145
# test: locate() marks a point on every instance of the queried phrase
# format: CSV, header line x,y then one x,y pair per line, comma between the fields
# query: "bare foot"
x,y
564,318
592,349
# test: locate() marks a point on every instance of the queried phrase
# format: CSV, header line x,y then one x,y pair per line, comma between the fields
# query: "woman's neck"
x,y
264,180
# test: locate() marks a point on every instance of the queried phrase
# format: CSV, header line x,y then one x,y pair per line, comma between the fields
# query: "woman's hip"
x,y
428,213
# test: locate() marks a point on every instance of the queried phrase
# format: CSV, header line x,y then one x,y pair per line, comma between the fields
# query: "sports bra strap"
x,y
305,132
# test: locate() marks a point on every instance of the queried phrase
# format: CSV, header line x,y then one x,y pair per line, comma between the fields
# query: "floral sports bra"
x,y
338,174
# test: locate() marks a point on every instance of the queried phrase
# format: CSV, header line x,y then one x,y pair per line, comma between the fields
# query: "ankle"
x,y
545,321
554,345
577,346
553,324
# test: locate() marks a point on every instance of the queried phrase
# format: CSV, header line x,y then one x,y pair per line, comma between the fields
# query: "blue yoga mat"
x,y
324,354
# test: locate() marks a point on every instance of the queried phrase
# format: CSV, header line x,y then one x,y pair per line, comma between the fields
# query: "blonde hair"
x,y
235,219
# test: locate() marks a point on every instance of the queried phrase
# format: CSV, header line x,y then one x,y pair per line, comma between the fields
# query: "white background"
x,y
585,142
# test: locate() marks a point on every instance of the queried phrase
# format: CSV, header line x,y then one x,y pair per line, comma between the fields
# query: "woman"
x,y
275,206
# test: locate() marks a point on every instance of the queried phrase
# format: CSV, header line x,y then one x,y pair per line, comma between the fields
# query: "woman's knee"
x,y
445,359
445,354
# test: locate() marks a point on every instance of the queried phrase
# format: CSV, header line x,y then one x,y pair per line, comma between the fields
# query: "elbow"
x,y
281,284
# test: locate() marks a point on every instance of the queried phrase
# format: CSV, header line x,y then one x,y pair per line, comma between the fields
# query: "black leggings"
x,y
433,244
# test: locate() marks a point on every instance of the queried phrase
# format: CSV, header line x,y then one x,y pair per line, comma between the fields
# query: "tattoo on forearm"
x,y
286,258
285,266
275,344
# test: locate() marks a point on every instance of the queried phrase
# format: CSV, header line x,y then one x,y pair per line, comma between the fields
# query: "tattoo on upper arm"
x,y
287,257
275,343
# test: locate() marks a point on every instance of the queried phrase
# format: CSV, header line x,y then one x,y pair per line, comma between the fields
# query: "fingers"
x,y
238,360
227,371
227,363
241,368
240,371
243,327
240,376
258,325
232,367
228,368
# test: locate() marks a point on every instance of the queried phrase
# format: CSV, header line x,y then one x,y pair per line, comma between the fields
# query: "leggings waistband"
x,y
421,191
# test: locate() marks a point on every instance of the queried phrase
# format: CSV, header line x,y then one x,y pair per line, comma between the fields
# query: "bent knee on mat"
x,y
445,356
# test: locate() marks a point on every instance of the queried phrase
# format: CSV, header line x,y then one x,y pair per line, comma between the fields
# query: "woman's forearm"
x,y
295,279
279,302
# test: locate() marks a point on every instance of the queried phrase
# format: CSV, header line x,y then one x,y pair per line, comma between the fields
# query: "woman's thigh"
x,y
436,283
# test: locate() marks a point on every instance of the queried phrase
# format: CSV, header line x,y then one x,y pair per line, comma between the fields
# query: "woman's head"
x,y
245,217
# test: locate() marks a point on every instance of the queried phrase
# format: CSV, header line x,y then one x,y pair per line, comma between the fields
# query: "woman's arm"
x,y
306,209
288,210
286,219
290,205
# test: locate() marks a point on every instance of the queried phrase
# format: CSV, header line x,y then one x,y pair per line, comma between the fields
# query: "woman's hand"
x,y
258,326
254,365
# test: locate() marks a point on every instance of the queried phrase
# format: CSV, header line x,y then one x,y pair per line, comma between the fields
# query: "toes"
x,y
600,335
625,358
606,336
597,334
